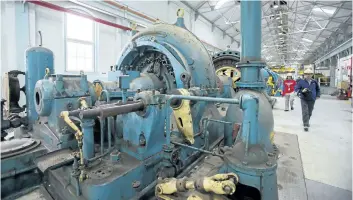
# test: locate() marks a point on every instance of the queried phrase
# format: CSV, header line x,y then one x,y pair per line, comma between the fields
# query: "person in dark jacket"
x,y
308,90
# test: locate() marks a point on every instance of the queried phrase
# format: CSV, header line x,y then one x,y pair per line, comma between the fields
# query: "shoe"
x,y
306,129
292,108
286,110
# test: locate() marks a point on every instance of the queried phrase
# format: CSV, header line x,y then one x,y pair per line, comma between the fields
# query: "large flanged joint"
x,y
250,79
225,63
43,97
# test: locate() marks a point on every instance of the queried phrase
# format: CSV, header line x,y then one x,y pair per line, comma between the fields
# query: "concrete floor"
x,y
326,150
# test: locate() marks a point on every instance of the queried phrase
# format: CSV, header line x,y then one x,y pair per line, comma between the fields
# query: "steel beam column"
x,y
333,64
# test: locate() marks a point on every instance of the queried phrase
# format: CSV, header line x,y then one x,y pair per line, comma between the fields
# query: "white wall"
x,y
167,12
16,37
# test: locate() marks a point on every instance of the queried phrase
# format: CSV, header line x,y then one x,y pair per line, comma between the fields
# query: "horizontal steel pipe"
x,y
121,109
109,111
206,99
76,113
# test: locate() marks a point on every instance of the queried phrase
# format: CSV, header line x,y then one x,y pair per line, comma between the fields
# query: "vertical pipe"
x,y
109,132
250,30
167,124
206,133
102,135
88,138
110,119
250,44
78,187
250,107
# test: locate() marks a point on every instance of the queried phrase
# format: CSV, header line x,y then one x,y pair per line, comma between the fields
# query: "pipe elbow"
x,y
248,101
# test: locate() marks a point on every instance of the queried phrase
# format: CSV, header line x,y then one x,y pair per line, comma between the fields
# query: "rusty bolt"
x,y
136,184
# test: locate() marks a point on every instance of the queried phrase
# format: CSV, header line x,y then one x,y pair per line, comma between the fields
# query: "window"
x,y
79,44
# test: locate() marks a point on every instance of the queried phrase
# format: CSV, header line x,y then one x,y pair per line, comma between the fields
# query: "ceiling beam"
x,y
221,14
209,21
332,16
200,5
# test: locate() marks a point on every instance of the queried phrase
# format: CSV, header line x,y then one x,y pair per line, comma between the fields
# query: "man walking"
x,y
288,92
308,90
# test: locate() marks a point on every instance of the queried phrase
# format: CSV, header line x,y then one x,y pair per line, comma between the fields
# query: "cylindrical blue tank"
x,y
37,60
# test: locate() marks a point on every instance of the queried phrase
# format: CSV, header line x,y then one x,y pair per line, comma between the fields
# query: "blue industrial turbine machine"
x,y
274,82
155,118
226,64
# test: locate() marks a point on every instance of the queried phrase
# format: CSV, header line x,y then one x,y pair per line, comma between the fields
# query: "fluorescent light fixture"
x,y
280,26
327,11
220,3
306,40
275,6
278,17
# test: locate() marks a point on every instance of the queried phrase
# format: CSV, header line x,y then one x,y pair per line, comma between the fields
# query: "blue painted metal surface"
x,y
88,138
250,61
250,155
250,105
251,31
53,95
184,51
37,60
145,142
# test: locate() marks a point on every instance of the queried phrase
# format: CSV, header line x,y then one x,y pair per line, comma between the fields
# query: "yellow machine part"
x,y
271,84
272,136
219,184
231,72
194,197
184,119
98,89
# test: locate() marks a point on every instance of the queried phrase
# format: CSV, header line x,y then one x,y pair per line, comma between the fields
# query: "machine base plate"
x,y
53,159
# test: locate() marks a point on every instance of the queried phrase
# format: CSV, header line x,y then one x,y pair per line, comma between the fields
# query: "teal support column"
x,y
88,138
250,31
253,157
250,60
